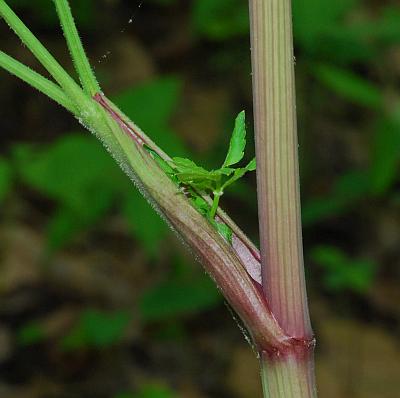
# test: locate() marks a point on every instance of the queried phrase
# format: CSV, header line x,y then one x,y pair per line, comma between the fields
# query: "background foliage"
x,y
99,299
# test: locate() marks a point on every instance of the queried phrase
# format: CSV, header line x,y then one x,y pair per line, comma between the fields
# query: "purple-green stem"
x,y
288,374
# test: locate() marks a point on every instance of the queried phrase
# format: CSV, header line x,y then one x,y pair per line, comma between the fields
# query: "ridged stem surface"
x,y
277,165
289,377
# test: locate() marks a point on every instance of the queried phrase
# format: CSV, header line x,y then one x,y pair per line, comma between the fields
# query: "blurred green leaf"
x,y
343,272
383,29
314,18
385,156
178,297
222,19
347,191
350,86
80,175
147,227
83,10
31,333
155,391
151,106
74,170
5,178
97,329
150,391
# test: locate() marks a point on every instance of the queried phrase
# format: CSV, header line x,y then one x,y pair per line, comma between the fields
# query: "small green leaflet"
x,y
239,173
199,182
252,165
199,178
238,141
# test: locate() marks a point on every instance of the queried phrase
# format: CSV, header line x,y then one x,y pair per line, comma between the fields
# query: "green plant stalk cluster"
x,y
226,259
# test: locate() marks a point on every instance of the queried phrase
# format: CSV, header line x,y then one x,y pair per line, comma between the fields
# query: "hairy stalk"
x,y
37,81
70,87
75,46
286,374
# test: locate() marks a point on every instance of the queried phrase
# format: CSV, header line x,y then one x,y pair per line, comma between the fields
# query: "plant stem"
x,y
288,374
41,53
214,208
75,46
277,165
36,80
288,378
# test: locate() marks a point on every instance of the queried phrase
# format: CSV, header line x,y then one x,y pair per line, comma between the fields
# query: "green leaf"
x,y
74,170
197,177
145,224
84,11
238,141
350,86
97,329
252,165
197,182
222,19
239,173
227,171
313,18
178,297
31,333
343,272
5,178
149,391
385,155
188,166
347,191
151,106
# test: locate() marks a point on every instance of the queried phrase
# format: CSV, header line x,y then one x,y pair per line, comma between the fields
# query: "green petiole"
x,y
37,81
214,208
68,84
81,62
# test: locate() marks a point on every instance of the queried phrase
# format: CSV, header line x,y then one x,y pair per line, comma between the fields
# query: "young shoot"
x,y
199,183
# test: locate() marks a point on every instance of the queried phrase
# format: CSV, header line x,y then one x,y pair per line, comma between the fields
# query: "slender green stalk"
x,y
36,80
75,46
214,208
41,53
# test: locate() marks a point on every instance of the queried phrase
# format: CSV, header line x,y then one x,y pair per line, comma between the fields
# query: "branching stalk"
x,y
41,53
